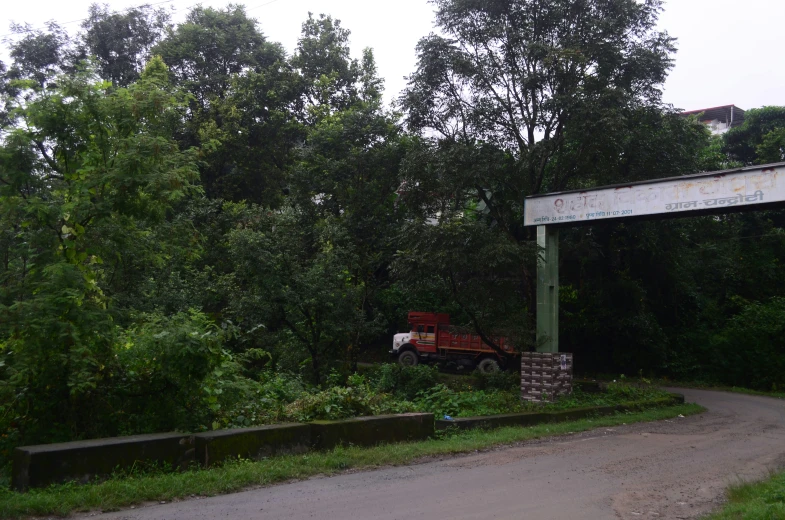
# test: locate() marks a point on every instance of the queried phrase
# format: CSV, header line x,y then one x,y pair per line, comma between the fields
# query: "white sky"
x,y
729,51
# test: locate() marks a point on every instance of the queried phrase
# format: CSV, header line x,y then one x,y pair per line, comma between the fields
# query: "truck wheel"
x,y
488,366
408,358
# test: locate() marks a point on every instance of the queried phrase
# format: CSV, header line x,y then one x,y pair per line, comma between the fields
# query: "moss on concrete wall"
x,y
367,431
252,443
574,414
81,461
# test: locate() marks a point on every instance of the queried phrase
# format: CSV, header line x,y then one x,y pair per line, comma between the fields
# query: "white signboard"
x,y
749,186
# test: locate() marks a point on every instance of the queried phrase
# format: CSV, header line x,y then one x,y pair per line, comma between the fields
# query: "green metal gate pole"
x,y
548,289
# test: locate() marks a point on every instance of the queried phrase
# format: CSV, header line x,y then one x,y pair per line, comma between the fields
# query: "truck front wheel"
x,y
408,358
488,366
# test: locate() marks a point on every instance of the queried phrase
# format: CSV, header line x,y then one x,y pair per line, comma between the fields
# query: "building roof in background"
x,y
721,113
718,119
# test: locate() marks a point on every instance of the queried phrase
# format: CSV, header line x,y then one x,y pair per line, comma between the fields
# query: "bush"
x,y
167,362
245,402
403,382
358,399
499,380
441,400
749,351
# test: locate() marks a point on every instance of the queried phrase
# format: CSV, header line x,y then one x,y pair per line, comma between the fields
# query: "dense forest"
x,y
193,221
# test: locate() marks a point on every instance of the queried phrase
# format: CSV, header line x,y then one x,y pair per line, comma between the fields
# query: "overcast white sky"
x,y
730,52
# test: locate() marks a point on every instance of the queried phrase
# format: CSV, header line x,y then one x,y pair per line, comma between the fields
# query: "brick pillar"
x,y
545,376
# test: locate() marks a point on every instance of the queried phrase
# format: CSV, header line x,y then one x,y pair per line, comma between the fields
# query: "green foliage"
x,y
499,380
168,363
403,381
39,55
323,59
760,139
475,82
296,282
242,401
345,402
121,42
198,231
441,400
211,46
749,347
90,170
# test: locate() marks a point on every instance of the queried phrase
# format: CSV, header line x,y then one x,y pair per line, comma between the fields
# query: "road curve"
x,y
669,469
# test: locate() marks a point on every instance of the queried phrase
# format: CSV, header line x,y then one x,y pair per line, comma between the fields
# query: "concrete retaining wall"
x,y
252,443
494,421
575,414
81,461
45,464
367,431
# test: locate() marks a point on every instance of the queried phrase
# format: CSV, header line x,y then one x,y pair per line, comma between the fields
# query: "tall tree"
x,y
348,170
296,286
211,46
85,172
324,61
217,55
760,139
254,132
121,42
40,55
528,74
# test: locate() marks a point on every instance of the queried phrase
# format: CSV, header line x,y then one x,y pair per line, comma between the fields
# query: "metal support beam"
x,y
548,289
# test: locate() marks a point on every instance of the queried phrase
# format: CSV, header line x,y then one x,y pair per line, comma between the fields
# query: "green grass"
x,y
755,501
708,386
122,492
700,385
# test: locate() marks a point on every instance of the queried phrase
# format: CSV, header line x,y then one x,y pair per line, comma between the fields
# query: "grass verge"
x,y
699,385
754,501
122,492
707,386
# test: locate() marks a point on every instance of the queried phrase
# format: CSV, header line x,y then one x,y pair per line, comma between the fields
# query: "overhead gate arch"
x,y
741,189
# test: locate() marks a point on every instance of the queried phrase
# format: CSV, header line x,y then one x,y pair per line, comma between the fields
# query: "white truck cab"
x,y
400,339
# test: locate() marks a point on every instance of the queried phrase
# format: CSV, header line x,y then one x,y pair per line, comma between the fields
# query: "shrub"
x,y
499,380
245,402
167,362
403,382
441,400
344,402
749,350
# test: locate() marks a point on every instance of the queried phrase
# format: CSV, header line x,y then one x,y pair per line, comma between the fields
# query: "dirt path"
x,y
669,469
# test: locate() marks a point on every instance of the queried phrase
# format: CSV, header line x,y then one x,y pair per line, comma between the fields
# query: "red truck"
x,y
430,339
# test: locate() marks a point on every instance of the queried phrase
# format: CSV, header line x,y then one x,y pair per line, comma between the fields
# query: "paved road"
x,y
670,469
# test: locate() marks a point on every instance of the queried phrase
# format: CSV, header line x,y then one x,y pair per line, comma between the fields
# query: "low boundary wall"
x,y
533,418
252,443
368,431
45,464
82,461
